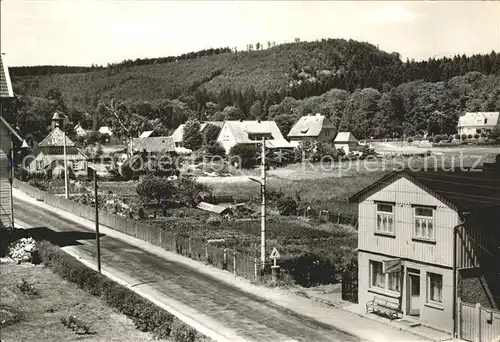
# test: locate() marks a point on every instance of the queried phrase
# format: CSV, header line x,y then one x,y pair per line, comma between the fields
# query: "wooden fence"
x,y
477,324
238,263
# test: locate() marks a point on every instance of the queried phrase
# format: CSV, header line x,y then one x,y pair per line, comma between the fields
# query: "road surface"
x,y
249,316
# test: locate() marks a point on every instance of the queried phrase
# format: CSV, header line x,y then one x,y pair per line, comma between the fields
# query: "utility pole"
x,y
66,189
262,183
97,240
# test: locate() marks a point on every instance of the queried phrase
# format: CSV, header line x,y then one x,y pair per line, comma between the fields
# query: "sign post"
x,y
275,269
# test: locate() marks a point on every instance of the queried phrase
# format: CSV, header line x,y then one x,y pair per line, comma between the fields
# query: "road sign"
x,y
274,254
392,265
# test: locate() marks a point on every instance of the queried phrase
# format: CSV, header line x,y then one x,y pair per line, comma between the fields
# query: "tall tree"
x,y
192,135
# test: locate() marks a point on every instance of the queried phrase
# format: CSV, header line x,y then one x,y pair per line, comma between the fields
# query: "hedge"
x,y
146,316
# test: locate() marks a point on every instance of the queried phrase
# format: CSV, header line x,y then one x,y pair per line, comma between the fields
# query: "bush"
x,y
431,139
214,221
216,149
146,316
182,332
410,140
287,206
469,136
457,136
248,155
464,136
476,136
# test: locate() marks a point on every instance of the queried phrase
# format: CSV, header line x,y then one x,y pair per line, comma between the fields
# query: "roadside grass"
x,y
39,317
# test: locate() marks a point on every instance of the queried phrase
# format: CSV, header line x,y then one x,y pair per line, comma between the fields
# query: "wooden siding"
x,y
404,194
479,240
47,159
5,208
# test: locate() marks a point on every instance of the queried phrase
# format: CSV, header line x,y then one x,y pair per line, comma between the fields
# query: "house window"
x,y
385,218
75,165
259,136
424,223
385,281
39,164
434,288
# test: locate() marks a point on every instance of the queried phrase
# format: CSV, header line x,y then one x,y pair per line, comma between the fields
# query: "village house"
x,y
312,127
251,132
80,131
346,141
48,156
428,244
178,134
478,122
10,141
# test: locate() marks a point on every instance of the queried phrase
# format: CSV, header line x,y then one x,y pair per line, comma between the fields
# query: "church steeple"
x,y
57,120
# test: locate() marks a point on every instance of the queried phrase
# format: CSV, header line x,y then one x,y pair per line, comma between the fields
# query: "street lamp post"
x,y
97,240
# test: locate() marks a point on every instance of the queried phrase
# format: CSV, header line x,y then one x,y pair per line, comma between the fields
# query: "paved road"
x,y
249,316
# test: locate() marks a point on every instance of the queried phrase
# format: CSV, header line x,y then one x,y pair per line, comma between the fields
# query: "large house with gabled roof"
x,y
428,241
49,153
251,133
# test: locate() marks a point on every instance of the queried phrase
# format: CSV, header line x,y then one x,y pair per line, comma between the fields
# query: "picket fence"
x,y
238,263
478,324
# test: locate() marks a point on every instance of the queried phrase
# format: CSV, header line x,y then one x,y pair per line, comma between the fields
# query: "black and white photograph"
x,y
249,171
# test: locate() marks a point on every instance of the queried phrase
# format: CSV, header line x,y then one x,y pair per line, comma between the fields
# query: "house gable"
x,y
404,195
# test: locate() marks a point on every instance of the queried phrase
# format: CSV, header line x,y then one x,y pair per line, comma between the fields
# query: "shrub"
x,y
182,332
469,136
431,139
476,136
483,135
457,136
214,221
464,136
145,315
287,206
248,155
216,149
410,140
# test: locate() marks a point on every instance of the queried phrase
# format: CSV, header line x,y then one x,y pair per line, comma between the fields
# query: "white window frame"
x,y
387,279
388,216
430,301
75,163
424,219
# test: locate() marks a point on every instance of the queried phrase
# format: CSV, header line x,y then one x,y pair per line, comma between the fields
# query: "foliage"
x,y
216,149
155,188
357,86
146,316
192,135
211,135
188,192
247,155
287,206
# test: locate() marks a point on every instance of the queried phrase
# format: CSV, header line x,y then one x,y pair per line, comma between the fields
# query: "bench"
x,y
385,306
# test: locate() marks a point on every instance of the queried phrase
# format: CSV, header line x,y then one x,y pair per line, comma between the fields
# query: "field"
x,y
37,317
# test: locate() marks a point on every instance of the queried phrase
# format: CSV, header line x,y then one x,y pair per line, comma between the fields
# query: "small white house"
x,y
251,132
312,127
346,141
478,122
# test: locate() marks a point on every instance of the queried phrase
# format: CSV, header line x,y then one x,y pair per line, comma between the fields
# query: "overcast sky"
x,y
71,32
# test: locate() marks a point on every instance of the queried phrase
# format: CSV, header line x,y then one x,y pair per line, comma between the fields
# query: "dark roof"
x,y
5,83
463,189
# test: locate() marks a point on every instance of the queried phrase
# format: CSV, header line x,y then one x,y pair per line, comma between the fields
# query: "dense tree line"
x,y
62,69
359,87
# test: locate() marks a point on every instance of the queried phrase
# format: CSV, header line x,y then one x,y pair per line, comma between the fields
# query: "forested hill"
x,y
366,82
